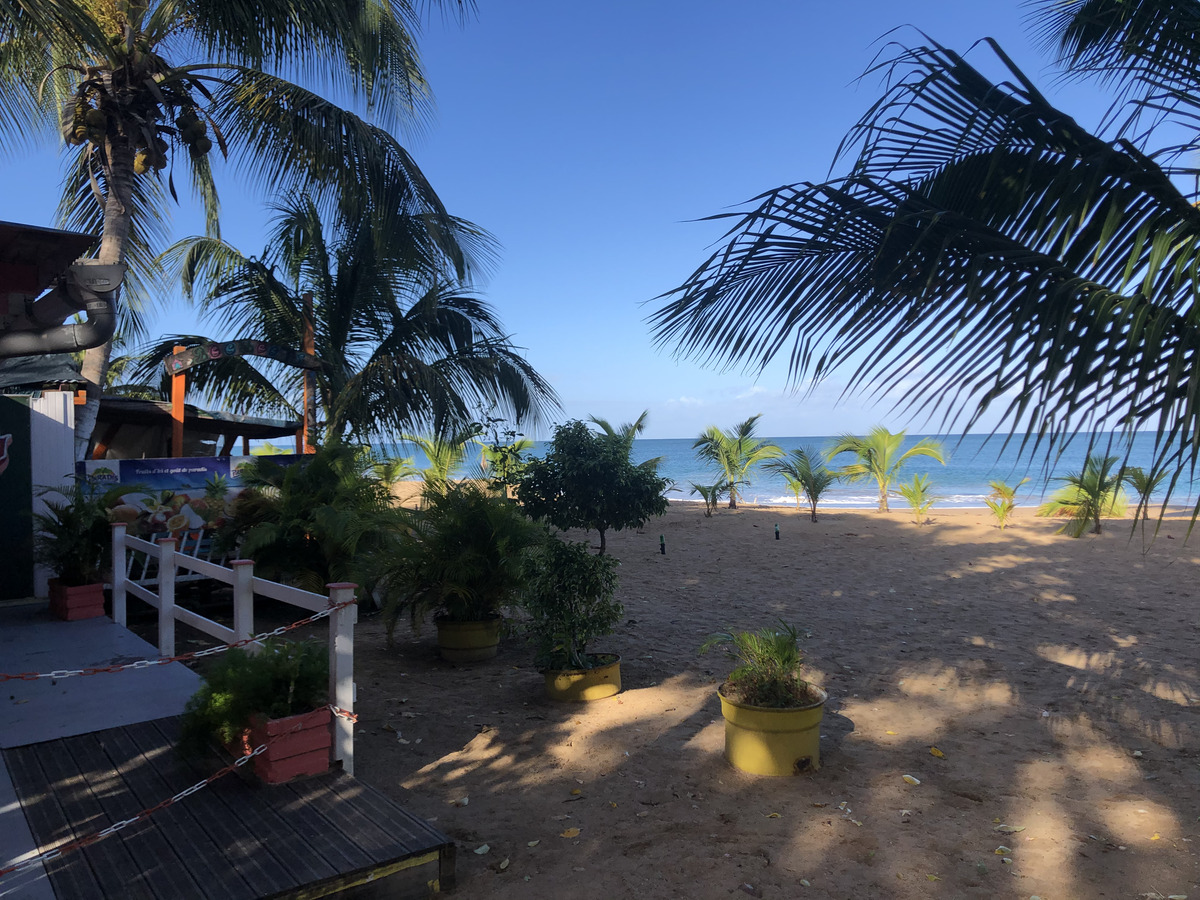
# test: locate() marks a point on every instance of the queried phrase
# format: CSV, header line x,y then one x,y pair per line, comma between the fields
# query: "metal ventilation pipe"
x,y
87,287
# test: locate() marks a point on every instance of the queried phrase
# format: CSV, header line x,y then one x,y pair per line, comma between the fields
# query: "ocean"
x,y
971,462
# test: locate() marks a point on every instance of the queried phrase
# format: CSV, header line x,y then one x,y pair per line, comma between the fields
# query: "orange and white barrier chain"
x,y
183,657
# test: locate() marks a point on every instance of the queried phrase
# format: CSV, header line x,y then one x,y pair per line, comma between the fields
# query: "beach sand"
x,y
1057,677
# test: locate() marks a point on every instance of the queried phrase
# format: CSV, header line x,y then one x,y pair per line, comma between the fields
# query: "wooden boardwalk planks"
x,y
230,840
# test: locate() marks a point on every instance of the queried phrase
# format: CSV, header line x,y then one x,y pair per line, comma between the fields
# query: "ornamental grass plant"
x,y
768,673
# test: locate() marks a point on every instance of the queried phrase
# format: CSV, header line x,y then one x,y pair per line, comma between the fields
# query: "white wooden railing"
x,y
240,576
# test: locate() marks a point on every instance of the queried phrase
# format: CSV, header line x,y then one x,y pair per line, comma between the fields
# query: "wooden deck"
x,y
82,753
231,840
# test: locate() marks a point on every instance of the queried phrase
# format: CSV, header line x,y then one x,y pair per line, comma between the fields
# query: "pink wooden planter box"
x,y
85,601
303,749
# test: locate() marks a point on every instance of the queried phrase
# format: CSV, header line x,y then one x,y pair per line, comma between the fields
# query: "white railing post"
x,y
243,599
166,596
119,572
341,671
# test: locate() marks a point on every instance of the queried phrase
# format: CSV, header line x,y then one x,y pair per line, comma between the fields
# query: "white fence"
x,y
240,576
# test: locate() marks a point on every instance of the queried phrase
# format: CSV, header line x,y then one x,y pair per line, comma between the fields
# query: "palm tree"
x,y
140,93
805,472
400,347
1144,484
624,436
393,469
919,499
1087,496
445,454
1003,500
879,457
734,452
985,248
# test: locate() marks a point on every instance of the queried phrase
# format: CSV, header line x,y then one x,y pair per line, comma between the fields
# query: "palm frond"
x,y
986,249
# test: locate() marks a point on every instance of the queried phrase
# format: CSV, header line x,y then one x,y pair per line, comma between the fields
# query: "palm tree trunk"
x,y
118,206
883,497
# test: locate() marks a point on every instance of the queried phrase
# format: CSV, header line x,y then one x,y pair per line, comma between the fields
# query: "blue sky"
x,y
588,138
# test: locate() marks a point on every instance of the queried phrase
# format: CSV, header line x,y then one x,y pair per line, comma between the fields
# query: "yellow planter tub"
x,y
467,642
765,741
595,683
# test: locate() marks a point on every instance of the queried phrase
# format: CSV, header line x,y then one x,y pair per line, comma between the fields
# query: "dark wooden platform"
x,y
231,840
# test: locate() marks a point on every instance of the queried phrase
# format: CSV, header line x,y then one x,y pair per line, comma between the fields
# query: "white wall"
x,y
52,439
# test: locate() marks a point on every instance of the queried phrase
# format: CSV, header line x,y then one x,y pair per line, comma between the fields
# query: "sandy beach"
x,y
1055,676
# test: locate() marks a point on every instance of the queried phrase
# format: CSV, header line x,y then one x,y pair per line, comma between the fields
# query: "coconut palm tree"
x,y
1002,501
734,452
879,457
1087,496
1144,484
988,251
624,436
139,93
805,472
400,347
918,496
391,470
445,454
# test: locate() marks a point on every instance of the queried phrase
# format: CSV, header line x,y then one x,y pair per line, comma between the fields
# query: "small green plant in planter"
x,y
570,599
772,714
73,538
462,560
277,696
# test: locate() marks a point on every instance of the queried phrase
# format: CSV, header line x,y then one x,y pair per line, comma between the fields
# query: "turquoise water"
x,y
971,462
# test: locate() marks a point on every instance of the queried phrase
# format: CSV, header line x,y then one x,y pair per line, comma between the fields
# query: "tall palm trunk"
x,y
118,206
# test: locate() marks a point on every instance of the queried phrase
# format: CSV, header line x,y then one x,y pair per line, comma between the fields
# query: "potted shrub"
x,y
462,561
73,539
772,715
570,601
278,696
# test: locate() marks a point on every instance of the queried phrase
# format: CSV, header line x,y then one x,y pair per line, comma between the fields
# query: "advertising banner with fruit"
x,y
171,495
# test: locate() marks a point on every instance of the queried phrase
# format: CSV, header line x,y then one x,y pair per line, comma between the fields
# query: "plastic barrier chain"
x,y
183,657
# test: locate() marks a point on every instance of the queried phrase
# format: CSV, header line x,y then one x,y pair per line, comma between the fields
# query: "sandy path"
x,y
1039,665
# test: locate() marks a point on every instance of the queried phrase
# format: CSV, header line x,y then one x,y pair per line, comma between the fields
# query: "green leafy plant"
x,y
73,536
502,455
734,452
1087,497
768,673
920,500
462,557
570,599
283,679
1002,500
879,457
586,480
805,472
312,521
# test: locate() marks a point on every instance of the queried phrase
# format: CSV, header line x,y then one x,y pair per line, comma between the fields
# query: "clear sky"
x,y
589,138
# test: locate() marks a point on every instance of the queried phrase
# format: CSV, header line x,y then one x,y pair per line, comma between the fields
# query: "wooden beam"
x,y
178,389
102,445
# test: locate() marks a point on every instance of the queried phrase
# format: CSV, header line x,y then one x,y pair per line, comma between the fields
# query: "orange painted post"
x,y
310,394
178,389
